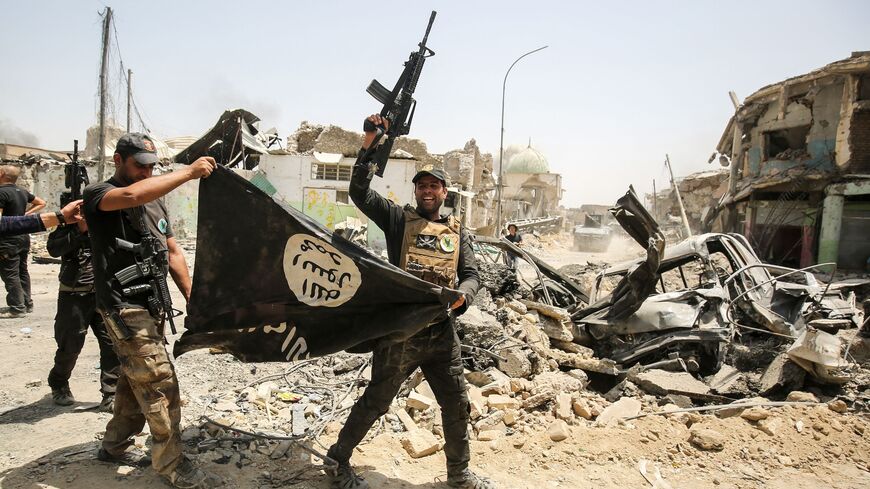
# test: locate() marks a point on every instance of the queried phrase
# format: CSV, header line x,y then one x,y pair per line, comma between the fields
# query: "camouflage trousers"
x,y
436,351
147,389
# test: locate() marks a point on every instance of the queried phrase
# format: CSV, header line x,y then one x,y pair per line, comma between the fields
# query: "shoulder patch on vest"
x,y
447,243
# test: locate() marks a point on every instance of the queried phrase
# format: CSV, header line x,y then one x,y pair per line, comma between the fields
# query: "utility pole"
x,y
497,229
104,78
129,96
679,199
736,156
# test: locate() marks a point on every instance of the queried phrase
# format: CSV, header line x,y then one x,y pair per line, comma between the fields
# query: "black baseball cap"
x,y
139,146
431,170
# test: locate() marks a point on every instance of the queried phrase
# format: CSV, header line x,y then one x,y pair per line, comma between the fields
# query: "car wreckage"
x,y
685,307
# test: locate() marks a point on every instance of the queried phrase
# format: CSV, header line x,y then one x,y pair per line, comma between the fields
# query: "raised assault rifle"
x,y
398,107
75,177
152,264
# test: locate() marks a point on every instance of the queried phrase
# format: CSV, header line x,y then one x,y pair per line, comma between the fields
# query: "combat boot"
x,y
188,476
132,457
62,396
469,480
344,477
107,405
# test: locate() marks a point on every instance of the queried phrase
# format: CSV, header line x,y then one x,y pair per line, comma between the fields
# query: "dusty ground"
x,y
42,445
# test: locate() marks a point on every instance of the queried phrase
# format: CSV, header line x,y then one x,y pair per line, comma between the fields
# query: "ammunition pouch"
x,y
116,324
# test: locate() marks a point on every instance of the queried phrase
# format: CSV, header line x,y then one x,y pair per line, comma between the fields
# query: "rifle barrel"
x,y
428,28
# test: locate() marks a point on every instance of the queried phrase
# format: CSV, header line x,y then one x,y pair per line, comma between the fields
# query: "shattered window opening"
x,y
331,171
864,87
786,144
672,276
342,197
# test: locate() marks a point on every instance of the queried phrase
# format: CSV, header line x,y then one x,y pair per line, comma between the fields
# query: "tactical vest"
x,y
430,250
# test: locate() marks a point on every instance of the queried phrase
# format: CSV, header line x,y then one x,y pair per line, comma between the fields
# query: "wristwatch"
x,y
61,221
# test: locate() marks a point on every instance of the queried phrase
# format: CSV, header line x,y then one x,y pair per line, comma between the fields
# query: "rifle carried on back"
x,y
152,264
398,107
75,177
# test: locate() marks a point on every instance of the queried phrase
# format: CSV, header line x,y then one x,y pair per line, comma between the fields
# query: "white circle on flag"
x,y
317,273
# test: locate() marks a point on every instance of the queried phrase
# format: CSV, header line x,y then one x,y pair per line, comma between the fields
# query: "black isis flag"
x,y
271,284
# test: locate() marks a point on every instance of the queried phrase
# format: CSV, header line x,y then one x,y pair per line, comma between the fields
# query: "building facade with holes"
x,y
799,158
317,184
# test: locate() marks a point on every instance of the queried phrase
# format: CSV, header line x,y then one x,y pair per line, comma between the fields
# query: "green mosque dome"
x,y
528,160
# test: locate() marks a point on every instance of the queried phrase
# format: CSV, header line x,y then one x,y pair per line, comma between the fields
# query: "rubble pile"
x,y
310,138
277,418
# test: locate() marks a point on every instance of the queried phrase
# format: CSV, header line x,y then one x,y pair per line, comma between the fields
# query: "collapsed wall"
x,y
310,138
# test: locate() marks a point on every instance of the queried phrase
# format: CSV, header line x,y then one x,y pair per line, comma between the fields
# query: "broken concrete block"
x,y
582,409
707,439
489,435
516,362
626,407
348,364
781,373
498,401
406,420
418,401
517,306
726,380
580,375
475,394
511,416
476,409
558,382
559,430
557,329
755,413
424,389
679,400
494,421
495,388
661,382
563,407
539,399
801,396
571,347
420,443
548,311
280,449
770,426
838,406
520,385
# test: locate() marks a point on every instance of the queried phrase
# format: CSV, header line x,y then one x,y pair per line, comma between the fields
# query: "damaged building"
x,y
313,174
700,192
531,191
799,151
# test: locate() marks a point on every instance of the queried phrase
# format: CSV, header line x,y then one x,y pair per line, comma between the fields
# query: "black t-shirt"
x,y
13,202
107,258
516,238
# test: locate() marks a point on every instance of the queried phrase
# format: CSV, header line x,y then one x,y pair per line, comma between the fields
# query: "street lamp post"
x,y
501,144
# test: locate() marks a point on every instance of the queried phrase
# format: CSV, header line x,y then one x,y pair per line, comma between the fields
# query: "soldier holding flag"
x,y
436,249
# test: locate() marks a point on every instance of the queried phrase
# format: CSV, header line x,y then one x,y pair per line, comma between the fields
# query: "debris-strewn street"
x,y
615,250
537,420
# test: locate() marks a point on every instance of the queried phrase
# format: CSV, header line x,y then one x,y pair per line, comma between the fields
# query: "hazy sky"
x,y
619,86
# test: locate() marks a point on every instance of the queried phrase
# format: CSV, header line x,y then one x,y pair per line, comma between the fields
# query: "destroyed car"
x,y
710,290
687,306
